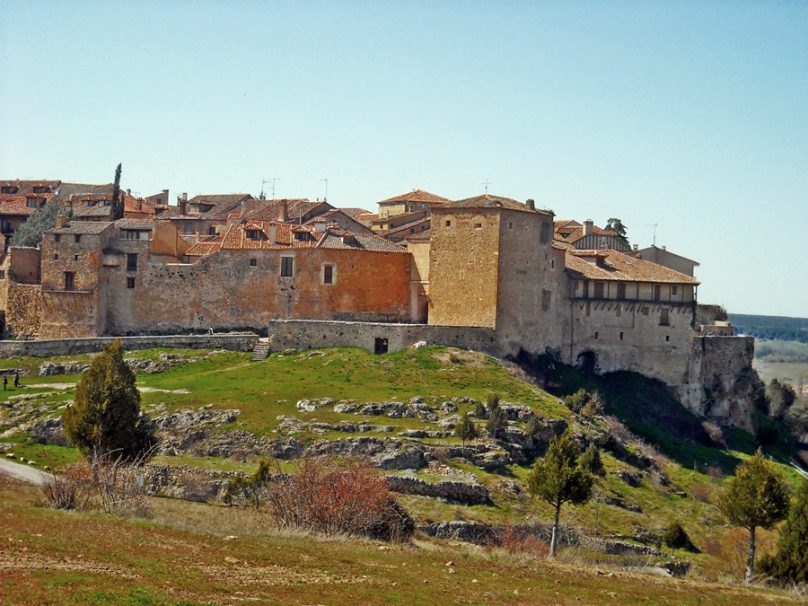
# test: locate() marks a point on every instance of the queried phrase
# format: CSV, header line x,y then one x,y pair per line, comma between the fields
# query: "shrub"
x,y
467,430
71,488
714,433
577,401
351,500
701,492
479,411
676,537
591,462
249,490
517,541
493,401
121,487
789,564
594,407
496,422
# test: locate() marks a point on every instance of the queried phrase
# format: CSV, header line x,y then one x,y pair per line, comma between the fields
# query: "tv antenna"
x,y
325,198
271,180
654,225
486,183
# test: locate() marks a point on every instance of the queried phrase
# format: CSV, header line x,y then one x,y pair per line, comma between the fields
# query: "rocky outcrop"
x,y
451,491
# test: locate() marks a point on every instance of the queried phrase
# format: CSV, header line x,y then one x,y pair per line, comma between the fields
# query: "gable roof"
x,y
657,249
492,201
82,228
621,267
417,195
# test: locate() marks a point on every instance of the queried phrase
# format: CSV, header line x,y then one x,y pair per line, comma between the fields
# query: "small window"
x,y
70,280
596,334
287,267
130,282
31,203
657,292
667,338
664,317
77,238
478,226
9,189
131,262
598,290
621,336
55,256
621,291
552,264
674,290
211,231
328,274
253,262
252,234
75,257
57,238
448,223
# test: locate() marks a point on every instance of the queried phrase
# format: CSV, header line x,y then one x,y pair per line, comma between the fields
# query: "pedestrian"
x,y
16,378
5,382
210,330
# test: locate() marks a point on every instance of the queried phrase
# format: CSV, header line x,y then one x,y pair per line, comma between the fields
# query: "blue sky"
x,y
689,115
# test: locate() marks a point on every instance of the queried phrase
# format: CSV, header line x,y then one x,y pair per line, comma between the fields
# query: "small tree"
x,y
576,402
496,422
790,561
105,417
779,397
30,232
558,478
617,226
467,429
756,497
479,411
591,461
117,205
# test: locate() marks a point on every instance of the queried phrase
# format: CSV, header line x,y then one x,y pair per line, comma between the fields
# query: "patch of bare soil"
x,y
461,356
243,573
29,562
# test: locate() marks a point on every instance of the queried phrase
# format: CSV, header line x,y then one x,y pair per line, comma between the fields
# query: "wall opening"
x,y
587,362
380,345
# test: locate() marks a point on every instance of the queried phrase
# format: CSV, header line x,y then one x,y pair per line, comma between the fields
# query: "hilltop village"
x,y
487,273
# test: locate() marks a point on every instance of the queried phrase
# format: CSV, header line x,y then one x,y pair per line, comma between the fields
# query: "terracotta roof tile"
x,y
82,227
492,201
417,195
620,267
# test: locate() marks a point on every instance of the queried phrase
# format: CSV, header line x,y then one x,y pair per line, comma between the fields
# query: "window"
x,y
70,283
621,291
41,189
586,289
596,334
77,238
328,274
667,338
510,224
211,231
674,290
75,257
621,336
664,318
253,262
552,264
130,282
131,262
287,267
448,223
252,234
55,256
31,203
57,238
9,189
657,292
598,290
478,226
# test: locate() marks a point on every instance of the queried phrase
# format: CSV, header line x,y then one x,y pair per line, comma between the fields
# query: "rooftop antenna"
x,y
486,183
325,198
264,182
654,225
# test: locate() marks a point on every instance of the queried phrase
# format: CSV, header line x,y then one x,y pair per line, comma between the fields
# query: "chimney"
x,y
283,211
60,221
636,247
273,233
319,226
664,247
182,201
588,227
128,192
531,204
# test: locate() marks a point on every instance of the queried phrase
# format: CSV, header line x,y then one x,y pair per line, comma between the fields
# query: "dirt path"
x,y
24,472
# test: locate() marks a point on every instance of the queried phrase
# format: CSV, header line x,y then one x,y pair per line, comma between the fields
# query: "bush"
x,y
493,401
121,487
479,411
352,500
71,488
789,564
577,401
249,490
591,462
496,422
517,541
676,537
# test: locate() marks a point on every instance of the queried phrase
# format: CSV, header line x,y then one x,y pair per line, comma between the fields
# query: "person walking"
x,y
5,382
16,378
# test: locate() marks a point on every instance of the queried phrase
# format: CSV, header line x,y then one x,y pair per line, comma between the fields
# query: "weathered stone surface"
x,y
452,491
401,458
49,431
195,419
62,368
448,408
313,405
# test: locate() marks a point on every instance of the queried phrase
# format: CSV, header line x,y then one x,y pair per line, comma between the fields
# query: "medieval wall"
x,y
307,334
24,311
238,289
464,268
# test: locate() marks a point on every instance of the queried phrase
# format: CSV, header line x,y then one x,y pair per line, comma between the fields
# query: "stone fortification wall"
x,y
310,334
67,347
721,383
23,309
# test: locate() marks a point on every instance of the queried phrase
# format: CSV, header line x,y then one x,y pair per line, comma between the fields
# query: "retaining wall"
x,y
66,347
311,334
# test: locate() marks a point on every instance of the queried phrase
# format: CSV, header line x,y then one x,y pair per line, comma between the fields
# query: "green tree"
x,y
558,478
756,497
117,202
779,397
617,226
496,422
789,564
479,411
591,461
467,429
105,418
30,232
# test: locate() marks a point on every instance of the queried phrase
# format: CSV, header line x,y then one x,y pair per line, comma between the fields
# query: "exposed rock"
x,y
492,460
616,500
195,419
631,478
48,369
312,405
452,491
449,422
516,412
448,408
349,447
423,433
458,530
407,458
346,408
49,431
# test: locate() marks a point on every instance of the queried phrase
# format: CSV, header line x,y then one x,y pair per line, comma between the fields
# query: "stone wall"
x,y
69,347
306,334
23,309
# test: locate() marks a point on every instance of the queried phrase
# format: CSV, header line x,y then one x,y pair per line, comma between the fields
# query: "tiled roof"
x,y
99,210
140,224
83,227
27,186
205,246
216,199
402,231
65,190
620,267
14,204
417,195
236,237
648,249
353,213
336,239
296,208
578,233
492,201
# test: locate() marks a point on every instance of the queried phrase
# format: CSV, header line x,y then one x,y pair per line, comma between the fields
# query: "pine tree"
x,y
558,478
591,461
756,497
467,429
789,564
30,232
105,417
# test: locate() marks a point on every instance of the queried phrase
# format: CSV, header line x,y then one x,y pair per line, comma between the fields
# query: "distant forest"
x,y
771,327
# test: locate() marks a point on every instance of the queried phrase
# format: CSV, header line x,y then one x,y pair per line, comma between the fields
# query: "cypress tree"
x,y
467,430
117,202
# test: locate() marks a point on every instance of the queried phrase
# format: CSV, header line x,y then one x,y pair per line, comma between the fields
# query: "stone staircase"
x,y
260,351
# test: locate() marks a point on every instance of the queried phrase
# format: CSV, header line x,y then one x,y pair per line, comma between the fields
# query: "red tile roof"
x,y
619,267
417,195
492,201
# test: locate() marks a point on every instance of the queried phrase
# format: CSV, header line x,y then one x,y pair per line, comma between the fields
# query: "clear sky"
x,y
689,115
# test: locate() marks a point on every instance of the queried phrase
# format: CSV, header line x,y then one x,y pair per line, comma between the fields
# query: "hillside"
x,y
771,327
217,412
